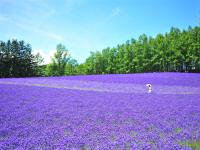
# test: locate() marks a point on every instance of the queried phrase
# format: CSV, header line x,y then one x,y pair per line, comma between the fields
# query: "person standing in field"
x,y
149,88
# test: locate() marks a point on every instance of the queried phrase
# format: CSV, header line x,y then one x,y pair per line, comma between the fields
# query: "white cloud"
x,y
46,55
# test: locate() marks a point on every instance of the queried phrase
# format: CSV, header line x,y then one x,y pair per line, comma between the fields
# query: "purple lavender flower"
x,y
100,112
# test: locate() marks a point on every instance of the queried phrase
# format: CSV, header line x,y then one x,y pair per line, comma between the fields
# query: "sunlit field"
x,y
101,112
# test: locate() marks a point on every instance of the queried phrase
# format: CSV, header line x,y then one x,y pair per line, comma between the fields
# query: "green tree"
x,y
17,60
58,62
173,51
71,67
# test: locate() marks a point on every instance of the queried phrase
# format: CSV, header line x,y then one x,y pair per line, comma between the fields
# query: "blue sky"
x,y
90,25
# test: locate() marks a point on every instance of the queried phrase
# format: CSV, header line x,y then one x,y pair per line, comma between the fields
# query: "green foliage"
x,y
174,51
39,68
16,60
81,69
71,67
194,145
58,62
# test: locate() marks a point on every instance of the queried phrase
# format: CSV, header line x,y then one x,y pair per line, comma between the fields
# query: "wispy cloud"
x,y
40,31
31,26
69,4
29,15
54,36
115,12
2,18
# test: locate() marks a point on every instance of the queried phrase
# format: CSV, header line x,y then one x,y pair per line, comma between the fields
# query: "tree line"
x,y
170,52
17,60
175,51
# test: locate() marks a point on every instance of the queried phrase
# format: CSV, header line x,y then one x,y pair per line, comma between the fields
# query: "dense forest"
x,y
175,51
17,60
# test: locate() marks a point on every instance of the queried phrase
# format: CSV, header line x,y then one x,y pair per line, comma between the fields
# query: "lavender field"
x,y
101,112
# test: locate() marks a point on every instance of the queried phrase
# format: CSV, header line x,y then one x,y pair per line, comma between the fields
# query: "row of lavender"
x,y
163,83
44,116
